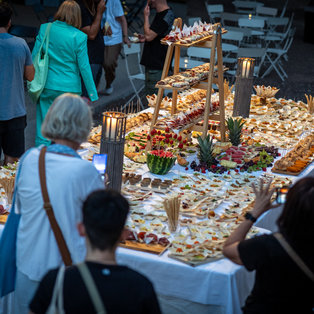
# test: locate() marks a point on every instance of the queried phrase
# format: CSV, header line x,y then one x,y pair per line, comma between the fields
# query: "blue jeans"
x,y
96,72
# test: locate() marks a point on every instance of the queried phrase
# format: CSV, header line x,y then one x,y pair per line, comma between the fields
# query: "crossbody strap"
x,y
294,256
63,248
92,289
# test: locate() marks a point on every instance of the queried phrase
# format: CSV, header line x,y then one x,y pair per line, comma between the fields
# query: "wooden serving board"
x,y
195,42
289,173
143,247
185,260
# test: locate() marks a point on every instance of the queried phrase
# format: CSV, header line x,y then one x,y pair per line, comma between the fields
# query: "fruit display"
x,y
160,161
235,130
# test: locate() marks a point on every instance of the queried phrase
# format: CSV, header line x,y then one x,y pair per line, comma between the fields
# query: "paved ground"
x,y
299,67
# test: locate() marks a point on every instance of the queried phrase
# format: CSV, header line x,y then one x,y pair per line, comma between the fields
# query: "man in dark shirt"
x,y
122,290
154,52
91,12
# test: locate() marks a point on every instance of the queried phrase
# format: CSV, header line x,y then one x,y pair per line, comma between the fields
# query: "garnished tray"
x,y
143,247
187,261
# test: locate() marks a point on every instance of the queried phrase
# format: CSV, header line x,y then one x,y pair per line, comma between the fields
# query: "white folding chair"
x,y
246,6
198,54
231,41
228,18
214,12
274,56
134,52
254,22
266,11
284,9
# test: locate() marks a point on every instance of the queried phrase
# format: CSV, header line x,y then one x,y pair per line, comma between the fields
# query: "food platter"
x,y
195,263
143,247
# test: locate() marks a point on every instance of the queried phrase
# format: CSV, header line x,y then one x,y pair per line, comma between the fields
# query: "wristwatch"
x,y
249,216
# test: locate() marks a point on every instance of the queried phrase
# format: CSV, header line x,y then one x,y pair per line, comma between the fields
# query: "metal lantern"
x,y
243,87
112,144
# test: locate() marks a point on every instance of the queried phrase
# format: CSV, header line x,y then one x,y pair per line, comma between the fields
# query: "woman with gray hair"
x,y
69,180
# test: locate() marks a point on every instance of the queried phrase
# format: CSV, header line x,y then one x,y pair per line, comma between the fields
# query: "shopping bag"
x,y
8,253
8,242
41,62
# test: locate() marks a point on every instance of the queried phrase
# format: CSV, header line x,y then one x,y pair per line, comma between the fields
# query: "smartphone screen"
x,y
282,195
100,162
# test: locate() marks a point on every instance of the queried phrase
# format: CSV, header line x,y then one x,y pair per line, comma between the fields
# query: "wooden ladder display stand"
x,y
214,43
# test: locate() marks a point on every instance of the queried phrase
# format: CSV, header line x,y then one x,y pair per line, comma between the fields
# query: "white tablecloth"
x,y
218,287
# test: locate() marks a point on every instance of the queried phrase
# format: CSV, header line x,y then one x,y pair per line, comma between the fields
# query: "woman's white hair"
x,y
68,118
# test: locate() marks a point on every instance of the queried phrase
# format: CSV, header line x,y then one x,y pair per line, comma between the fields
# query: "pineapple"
x,y
235,130
206,150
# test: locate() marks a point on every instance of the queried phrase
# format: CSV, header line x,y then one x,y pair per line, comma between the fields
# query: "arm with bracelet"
x,y
262,204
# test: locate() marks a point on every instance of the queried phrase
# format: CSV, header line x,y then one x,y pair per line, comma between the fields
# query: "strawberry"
x,y
180,138
175,136
180,145
186,168
185,141
171,142
159,133
167,130
148,137
167,141
264,169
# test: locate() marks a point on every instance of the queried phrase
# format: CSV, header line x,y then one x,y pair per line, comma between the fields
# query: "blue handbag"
x,y
8,244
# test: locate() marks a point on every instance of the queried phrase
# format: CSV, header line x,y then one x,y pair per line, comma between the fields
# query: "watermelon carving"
x,y
160,161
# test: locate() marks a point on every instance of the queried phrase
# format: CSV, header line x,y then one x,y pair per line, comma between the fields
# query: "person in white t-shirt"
x,y
114,18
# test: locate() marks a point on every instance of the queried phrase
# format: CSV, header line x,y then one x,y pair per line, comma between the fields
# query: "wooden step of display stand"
x,y
213,43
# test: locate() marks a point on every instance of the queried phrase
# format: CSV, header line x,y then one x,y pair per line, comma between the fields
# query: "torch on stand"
x,y
243,87
112,144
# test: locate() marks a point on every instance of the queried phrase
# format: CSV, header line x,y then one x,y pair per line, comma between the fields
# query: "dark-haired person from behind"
x,y
121,289
283,261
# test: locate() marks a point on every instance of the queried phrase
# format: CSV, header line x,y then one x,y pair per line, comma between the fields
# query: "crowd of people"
x,y
61,212
85,38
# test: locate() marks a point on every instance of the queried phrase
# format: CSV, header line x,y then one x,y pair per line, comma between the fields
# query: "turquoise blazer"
x,y
68,59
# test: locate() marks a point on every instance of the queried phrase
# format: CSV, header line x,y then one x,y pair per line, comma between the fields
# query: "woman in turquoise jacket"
x,y
68,59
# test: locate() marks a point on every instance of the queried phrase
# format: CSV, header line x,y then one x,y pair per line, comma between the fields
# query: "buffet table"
x,y
219,286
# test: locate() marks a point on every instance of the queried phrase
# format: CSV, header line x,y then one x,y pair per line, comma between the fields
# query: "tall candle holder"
x,y
112,144
243,87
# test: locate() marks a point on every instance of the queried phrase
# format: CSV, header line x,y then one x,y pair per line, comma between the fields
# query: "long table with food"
x,y
187,194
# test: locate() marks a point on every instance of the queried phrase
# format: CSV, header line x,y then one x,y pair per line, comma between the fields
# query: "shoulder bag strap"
x,y
92,289
294,256
66,256
45,39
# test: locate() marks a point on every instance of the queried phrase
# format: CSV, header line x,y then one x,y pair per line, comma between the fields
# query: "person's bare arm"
x,y
92,30
124,25
262,204
148,33
29,72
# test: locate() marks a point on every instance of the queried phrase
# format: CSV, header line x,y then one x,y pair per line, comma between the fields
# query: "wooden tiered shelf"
x,y
215,76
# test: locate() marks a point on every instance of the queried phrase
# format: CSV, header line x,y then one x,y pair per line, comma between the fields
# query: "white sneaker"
x,y
109,90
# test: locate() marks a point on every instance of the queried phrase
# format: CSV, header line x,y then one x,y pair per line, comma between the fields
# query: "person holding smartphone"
x,y
283,261
154,52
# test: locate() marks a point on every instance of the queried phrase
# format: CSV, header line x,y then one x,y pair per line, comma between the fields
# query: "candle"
x,y
111,124
186,61
244,63
248,65
250,16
